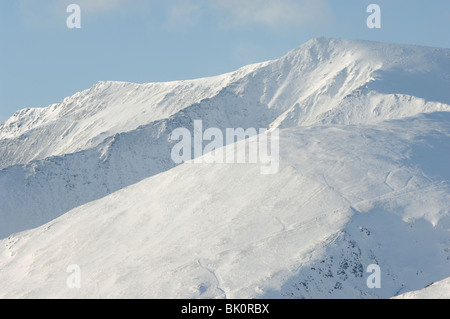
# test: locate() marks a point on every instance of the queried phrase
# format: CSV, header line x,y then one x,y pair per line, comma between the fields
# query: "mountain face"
x,y
116,134
438,290
363,179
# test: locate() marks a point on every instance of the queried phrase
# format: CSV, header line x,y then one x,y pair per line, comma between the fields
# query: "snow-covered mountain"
x,y
322,81
345,197
116,134
364,179
438,290
87,118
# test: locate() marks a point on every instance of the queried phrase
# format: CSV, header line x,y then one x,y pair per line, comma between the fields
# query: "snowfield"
x,y
439,290
364,179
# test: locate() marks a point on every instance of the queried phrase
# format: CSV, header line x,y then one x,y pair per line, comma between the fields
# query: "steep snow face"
x,y
345,197
87,118
322,81
116,134
351,82
355,186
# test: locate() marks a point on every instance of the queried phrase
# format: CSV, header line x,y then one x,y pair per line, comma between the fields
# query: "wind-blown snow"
x,y
116,134
87,118
322,81
345,197
364,179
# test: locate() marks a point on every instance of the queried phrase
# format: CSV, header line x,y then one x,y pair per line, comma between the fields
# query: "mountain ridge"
x,y
272,94
167,98
364,133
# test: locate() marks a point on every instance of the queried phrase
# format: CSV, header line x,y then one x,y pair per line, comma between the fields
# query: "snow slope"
x,y
346,196
438,290
364,179
322,81
87,118
116,134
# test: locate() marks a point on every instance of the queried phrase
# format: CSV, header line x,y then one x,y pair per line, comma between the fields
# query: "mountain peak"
x,y
363,179
324,80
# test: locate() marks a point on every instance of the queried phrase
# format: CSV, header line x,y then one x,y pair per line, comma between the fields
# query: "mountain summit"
x,y
322,81
364,179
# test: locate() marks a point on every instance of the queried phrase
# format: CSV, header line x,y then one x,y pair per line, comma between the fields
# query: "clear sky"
x,y
42,60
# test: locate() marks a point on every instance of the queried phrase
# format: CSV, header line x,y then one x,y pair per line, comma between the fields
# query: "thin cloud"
x,y
183,14
96,6
47,13
272,14
179,14
38,13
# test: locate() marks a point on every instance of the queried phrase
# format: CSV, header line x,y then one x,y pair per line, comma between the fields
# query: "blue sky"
x,y
42,61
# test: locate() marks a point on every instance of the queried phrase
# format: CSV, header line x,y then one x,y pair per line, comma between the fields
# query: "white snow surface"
x,y
437,290
364,179
322,81
117,134
87,118
225,230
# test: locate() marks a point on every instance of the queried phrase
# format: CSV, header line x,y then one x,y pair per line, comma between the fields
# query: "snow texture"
x,y
364,179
